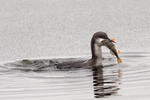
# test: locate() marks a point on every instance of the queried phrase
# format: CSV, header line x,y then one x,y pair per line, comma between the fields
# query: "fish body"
x,y
113,50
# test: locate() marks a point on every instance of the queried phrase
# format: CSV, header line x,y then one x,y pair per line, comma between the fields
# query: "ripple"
x,y
42,79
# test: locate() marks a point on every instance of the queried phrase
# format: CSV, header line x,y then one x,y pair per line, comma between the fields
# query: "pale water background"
x,y
62,29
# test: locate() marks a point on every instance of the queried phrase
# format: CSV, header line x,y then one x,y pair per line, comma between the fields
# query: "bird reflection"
x,y
105,84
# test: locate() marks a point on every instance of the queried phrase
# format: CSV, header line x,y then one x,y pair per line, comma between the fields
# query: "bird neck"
x,y
96,54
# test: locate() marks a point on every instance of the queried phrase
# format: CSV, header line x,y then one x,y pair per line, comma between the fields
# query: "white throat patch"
x,y
97,46
98,53
98,50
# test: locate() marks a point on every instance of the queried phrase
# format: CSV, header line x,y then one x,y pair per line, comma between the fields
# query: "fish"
x,y
113,50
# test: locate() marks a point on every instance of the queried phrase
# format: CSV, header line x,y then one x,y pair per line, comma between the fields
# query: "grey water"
x,y
42,80
46,33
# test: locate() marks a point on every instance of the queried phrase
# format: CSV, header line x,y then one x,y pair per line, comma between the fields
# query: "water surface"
x,y
29,80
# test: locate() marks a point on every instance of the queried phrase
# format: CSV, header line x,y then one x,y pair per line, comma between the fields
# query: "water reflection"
x,y
106,79
105,83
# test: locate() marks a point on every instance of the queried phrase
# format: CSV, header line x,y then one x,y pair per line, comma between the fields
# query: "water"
x,y
26,81
61,30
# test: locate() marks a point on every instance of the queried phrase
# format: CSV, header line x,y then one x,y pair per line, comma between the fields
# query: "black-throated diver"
x,y
98,40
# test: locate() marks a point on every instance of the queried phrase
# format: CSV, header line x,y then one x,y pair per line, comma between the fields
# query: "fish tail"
x,y
119,60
